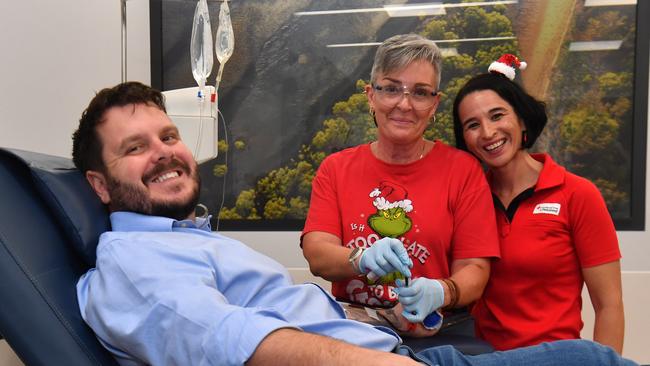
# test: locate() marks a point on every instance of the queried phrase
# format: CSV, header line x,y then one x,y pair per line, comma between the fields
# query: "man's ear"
x,y
98,182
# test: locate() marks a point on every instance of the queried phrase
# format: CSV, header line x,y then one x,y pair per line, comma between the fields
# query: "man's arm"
x,y
293,347
161,310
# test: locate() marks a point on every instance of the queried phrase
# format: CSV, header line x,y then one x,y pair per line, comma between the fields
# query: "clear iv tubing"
x,y
223,186
200,136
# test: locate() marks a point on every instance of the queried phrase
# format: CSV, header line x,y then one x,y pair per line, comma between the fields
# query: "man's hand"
x,y
386,255
420,299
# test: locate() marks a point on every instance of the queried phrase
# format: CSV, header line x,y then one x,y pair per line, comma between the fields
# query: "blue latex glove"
x,y
386,255
421,298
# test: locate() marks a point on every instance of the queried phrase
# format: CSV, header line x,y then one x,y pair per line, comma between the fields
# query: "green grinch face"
x,y
388,279
391,222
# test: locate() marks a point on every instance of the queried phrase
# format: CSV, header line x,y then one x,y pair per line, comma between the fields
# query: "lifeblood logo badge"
x,y
547,208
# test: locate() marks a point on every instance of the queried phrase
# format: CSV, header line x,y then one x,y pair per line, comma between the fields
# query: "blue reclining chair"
x,y
50,220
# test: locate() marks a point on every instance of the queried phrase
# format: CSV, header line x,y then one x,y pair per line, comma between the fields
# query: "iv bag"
x,y
201,45
225,38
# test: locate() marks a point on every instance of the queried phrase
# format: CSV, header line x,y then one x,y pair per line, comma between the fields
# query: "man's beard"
x,y
134,198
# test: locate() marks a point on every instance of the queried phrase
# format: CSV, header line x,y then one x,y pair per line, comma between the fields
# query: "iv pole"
x,y
123,43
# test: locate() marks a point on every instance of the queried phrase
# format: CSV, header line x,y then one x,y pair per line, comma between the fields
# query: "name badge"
x,y
547,208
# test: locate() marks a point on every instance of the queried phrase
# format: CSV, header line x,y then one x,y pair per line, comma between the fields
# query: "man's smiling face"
x,y
148,169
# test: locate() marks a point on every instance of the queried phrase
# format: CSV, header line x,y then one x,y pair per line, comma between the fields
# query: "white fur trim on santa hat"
x,y
382,204
375,192
502,68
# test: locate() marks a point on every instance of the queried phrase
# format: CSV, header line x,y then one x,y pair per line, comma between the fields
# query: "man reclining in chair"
x,y
167,290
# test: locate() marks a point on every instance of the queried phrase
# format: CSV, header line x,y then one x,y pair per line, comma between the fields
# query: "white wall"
x,y
56,54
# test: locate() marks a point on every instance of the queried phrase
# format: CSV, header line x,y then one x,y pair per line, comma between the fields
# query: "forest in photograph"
x,y
590,104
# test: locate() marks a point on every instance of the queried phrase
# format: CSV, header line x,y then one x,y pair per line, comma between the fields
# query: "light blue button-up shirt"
x,y
168,292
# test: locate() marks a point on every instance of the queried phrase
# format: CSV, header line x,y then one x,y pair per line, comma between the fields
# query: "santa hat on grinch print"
x,y
390,195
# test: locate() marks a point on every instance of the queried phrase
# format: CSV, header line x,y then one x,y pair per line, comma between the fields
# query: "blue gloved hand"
x,y
422,297
386,255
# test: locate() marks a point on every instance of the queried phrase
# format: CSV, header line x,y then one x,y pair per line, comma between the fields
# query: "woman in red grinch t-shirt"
x,y
402,205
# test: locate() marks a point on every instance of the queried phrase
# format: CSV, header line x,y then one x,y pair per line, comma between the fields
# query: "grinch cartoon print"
x,y
390,220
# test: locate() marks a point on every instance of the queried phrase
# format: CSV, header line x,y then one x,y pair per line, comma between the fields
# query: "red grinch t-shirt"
x,y
440,207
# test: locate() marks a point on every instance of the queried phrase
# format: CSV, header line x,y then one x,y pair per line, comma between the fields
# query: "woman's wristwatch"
x,y
354,259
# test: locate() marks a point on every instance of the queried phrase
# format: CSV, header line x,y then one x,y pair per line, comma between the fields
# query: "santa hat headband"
x,y
507,65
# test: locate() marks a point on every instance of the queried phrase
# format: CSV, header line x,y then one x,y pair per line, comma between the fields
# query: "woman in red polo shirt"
x,y
555,230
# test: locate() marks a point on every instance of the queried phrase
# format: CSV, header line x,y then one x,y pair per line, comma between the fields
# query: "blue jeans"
x,y
560,353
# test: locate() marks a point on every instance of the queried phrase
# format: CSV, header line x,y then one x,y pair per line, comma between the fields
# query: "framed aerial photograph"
x,y
292,92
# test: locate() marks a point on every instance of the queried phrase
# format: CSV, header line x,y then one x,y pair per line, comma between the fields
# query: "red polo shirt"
x,y
534,292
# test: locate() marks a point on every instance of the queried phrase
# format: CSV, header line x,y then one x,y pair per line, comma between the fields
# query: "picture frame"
x,y
315,55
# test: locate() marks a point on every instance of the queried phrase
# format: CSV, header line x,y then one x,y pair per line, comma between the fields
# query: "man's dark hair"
x,y
86,144
531,111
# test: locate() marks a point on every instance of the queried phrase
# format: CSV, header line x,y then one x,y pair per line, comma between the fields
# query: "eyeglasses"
x,y
390,95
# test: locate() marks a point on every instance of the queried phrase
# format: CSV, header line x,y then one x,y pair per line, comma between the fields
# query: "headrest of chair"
x,y
65,190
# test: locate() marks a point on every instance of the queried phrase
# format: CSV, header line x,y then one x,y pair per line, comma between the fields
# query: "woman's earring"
x,y
433,119
371,111
524,138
